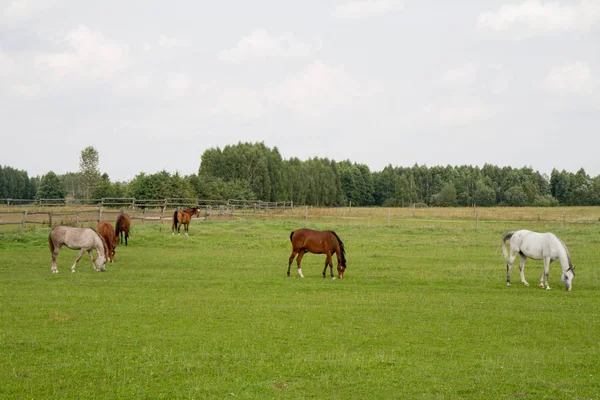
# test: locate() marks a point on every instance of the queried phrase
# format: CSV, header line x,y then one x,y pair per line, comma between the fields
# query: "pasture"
x,y
423,312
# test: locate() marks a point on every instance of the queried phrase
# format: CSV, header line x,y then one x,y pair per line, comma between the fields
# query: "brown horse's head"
x,y
196,211
341,267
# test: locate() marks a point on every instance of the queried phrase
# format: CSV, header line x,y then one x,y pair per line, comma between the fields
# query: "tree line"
x,y
253,171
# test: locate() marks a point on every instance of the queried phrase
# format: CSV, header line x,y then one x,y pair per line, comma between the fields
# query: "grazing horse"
x,y
82,239
183,218
122,227
107,232
318,242
539,246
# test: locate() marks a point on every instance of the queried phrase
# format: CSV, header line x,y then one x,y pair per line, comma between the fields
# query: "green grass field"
x,y
423,313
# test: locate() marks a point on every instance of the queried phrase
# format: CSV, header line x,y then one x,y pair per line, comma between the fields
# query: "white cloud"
x,y
464,112
89,55
460,76
317,90
536,17
22,10
362,9
260,45
170,42
574,78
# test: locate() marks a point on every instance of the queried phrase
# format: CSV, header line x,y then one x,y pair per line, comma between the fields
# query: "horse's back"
x,y
536,245
123,223
312,240
74,238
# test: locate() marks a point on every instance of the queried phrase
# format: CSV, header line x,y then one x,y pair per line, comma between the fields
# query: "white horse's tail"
x,y
505,237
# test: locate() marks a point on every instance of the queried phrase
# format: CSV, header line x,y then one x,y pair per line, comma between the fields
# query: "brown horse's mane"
x,y
342,249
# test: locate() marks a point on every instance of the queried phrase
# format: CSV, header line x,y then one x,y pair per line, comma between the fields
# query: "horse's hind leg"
x,y
544,278
292,256
54,256
511,260
299,260
522,269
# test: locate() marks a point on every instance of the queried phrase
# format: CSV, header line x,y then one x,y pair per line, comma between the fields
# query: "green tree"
x,y
515,196
88,167
50,187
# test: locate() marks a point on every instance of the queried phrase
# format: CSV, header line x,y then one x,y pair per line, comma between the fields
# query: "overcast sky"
x,y
153,84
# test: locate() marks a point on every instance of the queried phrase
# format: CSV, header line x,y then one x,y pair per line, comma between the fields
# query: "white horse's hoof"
x,y
333,277
507,283
526,284
548,288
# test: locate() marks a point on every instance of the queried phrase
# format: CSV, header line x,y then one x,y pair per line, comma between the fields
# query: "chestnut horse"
x,y
122,227
183,218
318,242
106,230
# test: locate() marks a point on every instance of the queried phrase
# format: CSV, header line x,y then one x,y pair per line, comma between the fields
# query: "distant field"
x,y
424,312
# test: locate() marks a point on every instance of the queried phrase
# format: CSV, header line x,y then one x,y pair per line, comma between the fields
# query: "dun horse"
x,y
82,239
122,227
318,242
539,246
107,232
183,218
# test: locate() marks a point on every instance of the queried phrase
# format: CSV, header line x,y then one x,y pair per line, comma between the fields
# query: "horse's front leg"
x,y
522,269
328,262
81,252
186,228
544,278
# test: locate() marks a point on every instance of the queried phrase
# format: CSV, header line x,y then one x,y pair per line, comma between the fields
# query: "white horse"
x,y
539,246
82,239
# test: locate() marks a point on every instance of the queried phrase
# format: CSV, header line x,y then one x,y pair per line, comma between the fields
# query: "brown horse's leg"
x,y
328,261
298,261
294,252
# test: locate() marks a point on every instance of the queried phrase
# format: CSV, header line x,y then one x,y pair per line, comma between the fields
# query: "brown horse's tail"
x,y
175,221
292,235
342,249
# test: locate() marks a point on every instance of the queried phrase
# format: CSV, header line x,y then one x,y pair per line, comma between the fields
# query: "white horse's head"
x,y
567,278
100,261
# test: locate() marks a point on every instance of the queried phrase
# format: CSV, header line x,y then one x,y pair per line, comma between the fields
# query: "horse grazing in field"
x,y
122,227
539,246
82,239
107,232
184,218
318,242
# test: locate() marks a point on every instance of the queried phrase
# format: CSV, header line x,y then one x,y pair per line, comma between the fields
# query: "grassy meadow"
x,y
423,313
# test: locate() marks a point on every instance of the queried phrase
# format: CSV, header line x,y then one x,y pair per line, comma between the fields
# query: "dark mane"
x,y
342,250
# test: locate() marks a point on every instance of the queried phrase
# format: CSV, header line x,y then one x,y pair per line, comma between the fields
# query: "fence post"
x,y
24,218
389,216
100,214
50,219
564,219
306,214
144,217
77,218
476,218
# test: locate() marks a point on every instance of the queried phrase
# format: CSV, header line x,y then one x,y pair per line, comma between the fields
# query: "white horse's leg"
x,y
54,256
511,260
544,278
522,269
77,260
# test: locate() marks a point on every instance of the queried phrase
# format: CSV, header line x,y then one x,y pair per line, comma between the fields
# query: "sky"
x,y
152,84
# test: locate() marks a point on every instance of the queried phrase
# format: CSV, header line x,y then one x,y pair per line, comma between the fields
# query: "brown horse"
x,y
106,230
82,239
122,227
183,218
318,242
